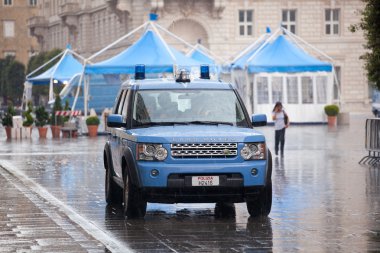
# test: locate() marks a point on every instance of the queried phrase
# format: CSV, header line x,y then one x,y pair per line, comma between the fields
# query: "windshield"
x,y
169,107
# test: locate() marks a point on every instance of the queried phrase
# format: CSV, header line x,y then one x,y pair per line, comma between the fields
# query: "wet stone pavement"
x,y
52,200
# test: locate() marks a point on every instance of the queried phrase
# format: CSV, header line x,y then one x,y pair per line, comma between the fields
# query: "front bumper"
x,y
177,174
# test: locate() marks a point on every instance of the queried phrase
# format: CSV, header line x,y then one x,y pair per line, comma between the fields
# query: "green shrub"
x,y
92,120
331,110
56,120
42,116
29,120
8,115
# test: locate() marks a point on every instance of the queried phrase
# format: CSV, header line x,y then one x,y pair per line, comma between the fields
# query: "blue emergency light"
x,y
140,72
205,72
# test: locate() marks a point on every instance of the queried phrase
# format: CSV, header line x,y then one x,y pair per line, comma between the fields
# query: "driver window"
x,y
119,99
125,106
120,108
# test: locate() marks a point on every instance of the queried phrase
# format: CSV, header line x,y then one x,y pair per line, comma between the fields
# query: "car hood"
x,y
195,134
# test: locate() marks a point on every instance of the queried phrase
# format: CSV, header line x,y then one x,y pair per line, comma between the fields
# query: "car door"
x,y
115,141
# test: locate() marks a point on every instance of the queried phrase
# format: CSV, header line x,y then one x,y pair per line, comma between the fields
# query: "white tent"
x,y
163,58
61,73
277,68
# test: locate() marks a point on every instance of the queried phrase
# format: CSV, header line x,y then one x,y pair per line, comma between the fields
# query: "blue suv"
x,y
182,141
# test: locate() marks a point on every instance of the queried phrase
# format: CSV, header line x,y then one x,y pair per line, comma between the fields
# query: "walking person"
x,y
281,122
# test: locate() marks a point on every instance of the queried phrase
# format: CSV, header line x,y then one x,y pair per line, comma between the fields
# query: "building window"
x,y
9,28
289,20
7,2
245,22
332,21
33,2
9,53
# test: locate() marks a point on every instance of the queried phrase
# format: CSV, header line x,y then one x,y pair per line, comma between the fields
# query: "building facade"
x,y
225,27
15,37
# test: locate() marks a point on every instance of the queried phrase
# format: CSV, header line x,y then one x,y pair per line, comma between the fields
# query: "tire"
x,y
262,205
114,193
134,203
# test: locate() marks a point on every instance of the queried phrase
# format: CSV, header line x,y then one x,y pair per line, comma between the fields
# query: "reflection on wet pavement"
x,y
323,200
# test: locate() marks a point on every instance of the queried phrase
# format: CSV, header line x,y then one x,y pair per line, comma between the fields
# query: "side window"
x,y
126,102
119,99
120,109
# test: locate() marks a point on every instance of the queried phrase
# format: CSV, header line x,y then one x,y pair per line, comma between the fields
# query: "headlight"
x,y
253,151
151,152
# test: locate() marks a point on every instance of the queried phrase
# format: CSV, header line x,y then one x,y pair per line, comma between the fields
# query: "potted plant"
x,y
7,120
56,121
29,120
332,113
92,123
42,118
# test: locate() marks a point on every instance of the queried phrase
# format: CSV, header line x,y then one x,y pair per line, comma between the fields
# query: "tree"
x,y
38,60
15,81
370,24
35,62
12,76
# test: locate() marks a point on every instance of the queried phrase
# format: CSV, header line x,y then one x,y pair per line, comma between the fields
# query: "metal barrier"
x,y
372,142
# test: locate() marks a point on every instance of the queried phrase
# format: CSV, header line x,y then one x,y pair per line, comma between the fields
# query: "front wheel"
x,y
262,205
134,203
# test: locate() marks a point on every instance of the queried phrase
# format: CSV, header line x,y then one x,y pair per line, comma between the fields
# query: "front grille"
x,y
204,150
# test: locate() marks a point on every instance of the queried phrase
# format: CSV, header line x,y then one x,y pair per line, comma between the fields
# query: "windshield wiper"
x,y
166,123
210,123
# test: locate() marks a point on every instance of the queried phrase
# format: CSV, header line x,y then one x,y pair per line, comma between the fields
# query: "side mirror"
x,y
115,120
259,120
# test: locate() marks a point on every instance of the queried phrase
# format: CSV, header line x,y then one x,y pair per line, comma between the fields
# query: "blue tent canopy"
x,y
240,63
149,50
201,57
283,56
62,71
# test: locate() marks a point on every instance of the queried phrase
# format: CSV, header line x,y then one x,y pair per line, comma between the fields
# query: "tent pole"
x,y
249,47
292,38
85,92
78,88
55,57
248,94
117,41
210,54
163,41
77,55
184,41
51,91
175,36
338,85
192,50
262,46
309,45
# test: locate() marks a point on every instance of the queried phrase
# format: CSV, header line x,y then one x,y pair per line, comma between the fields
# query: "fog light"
x,y
154,173
254,172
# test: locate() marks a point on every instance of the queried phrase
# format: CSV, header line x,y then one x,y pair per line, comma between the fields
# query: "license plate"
x,y
205,181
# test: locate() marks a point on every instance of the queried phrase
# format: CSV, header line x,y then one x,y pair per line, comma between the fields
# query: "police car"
x,y
185,141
